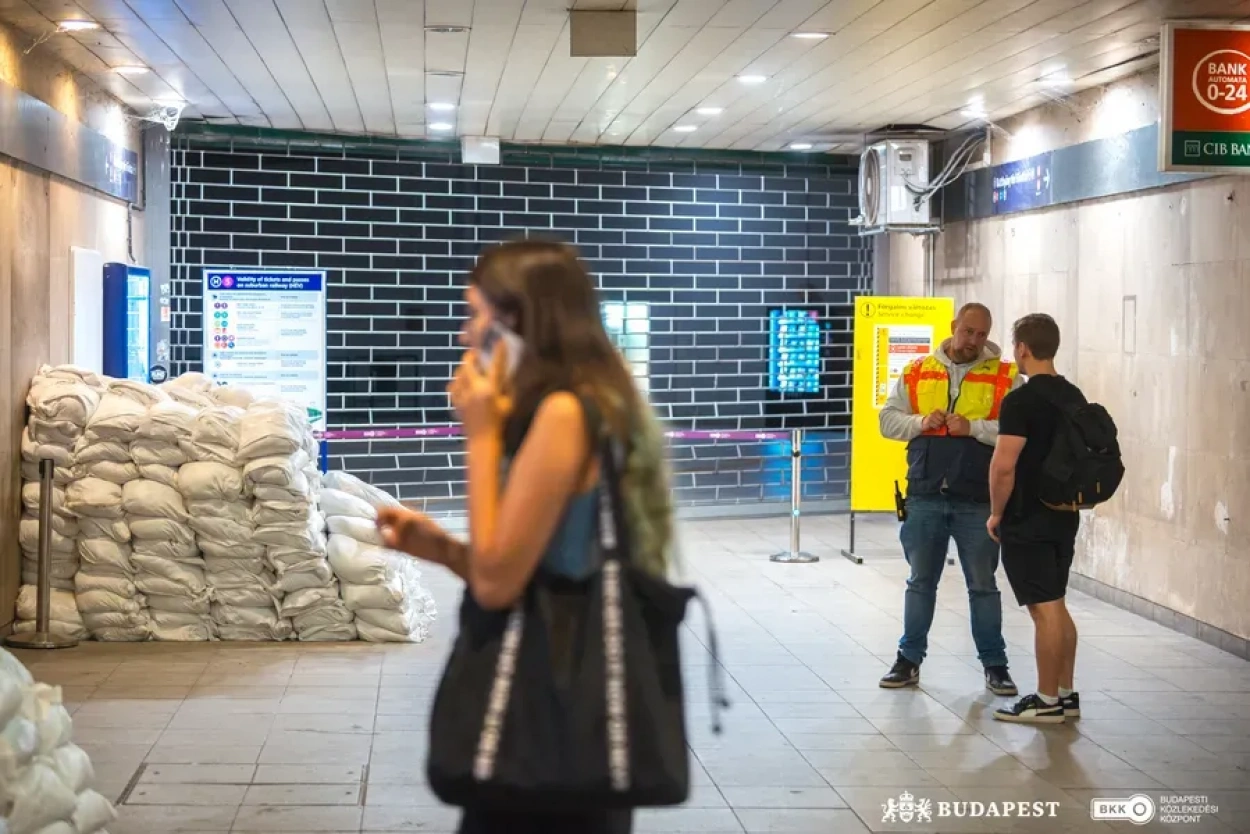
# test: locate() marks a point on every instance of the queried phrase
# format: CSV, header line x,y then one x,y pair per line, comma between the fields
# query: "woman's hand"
x,y
415,534
481,397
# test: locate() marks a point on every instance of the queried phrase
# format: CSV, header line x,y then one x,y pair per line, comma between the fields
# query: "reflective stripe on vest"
x,y
980,394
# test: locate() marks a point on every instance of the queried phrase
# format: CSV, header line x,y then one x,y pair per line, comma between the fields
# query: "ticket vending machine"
x,y
136,324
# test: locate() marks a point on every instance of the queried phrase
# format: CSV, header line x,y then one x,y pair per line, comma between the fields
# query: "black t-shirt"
x,y
1030,412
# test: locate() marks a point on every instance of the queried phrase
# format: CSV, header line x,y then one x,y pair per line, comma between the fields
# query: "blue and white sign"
x,y
1022,185
265,331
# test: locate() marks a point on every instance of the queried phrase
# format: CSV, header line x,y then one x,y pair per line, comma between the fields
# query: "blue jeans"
x,y
932,520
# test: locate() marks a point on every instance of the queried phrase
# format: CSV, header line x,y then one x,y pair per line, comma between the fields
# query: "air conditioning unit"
x,y
893,174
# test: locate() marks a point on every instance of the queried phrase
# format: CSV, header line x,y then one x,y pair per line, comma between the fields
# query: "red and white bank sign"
x,y
1204,91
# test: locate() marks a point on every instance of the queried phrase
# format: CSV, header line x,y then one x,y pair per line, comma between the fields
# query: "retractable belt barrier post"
x,y
794,554
42,637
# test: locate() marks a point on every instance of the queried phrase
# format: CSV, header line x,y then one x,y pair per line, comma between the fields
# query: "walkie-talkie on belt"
x,y
900,503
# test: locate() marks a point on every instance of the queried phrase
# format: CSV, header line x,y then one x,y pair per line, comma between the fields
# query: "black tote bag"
x,y
573,700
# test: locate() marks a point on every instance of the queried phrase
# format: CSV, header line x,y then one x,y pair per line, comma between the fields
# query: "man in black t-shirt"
x,y
1037,542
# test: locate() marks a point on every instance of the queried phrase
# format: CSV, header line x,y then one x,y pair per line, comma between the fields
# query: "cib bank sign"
x,y
1204,97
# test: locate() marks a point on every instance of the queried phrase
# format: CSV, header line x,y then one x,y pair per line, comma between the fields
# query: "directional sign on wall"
x,y
1204,97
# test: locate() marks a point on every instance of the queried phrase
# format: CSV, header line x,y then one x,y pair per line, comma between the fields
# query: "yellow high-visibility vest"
x,y
980,394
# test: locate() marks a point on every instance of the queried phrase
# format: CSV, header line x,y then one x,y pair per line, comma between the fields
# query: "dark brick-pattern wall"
x,y
711,242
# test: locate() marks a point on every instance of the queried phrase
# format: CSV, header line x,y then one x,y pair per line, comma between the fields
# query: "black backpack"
x,y
1083,467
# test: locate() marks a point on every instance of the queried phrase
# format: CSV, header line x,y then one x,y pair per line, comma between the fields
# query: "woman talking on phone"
x,y
539,385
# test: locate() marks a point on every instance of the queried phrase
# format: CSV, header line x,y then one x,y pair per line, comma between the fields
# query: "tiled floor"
x,y
331,738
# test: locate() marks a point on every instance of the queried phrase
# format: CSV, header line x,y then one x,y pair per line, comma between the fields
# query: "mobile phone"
x,y
495,336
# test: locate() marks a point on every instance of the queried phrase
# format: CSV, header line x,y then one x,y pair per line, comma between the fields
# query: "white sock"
x,y
1065,693
1048,700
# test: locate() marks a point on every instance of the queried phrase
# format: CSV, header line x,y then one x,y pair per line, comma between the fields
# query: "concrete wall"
x,y
41,217
1152,292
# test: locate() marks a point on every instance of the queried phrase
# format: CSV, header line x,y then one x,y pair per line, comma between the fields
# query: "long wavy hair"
x,y
549,297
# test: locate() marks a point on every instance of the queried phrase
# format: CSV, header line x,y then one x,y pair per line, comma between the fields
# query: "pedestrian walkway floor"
x,y
331,738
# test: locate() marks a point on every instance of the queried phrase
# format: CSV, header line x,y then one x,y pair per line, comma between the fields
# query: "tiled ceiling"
x,y
381,66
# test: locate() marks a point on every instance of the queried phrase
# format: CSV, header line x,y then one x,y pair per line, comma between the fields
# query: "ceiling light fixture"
x,y
441,126
441,106
686,128
800,146
810,36
447,30
752,79
77,26
130,70
1057,77
710,111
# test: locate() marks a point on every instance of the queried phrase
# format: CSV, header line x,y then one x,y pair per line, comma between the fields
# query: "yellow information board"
x,y
889,334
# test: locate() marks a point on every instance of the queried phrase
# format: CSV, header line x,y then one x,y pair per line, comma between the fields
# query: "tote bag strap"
x,y
613,529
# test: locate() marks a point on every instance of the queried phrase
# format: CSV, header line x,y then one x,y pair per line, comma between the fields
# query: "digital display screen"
x,y
794,351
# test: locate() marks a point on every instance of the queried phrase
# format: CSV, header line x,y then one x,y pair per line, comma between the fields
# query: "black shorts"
x,y
1037,557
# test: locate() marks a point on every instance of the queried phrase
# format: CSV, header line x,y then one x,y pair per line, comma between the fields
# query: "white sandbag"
x,y
54,433
238,575
186,552
201,633
296,494
269,513
223,530
362,530
230,615
63,607
285,557
288,471
172,619
41,705
241,551
149,499
162,529
271,429
413,623
167,475
344,482
73,765
75,629
158,453
96,498
208,481
74,373
340,633
142,393
100,602
315,573
309,537
88,451
58,400
111,471
230,397
33,452
256,634
372,634
93,813
118,417
170,421
362,564
63,532
336,503
218,426
189,578
136,634
309,599
199,604
10,698
62,476
119,620
253,597
106,554
61,566
191,399
104,528
30,500
388,596
30,576
40,798
19,741
237,511
325,616
87,582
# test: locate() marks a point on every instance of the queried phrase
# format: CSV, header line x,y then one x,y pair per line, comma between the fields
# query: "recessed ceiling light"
x,y
441,126
710,111
130,70
810,36
442,106
752,79
972,113
446,30
800,146
686,128
77,25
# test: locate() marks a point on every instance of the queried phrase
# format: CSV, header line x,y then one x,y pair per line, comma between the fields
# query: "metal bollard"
x,y
42,637
795,554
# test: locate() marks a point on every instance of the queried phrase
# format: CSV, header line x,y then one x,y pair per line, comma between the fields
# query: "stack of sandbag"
x,y
63,616
383,588
44,777
62,401
277,448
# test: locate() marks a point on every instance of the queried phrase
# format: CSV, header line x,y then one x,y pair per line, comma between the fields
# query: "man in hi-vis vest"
x,y
945,407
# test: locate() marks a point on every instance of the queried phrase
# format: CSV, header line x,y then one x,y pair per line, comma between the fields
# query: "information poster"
x,y
890,333
264,331
1204,91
